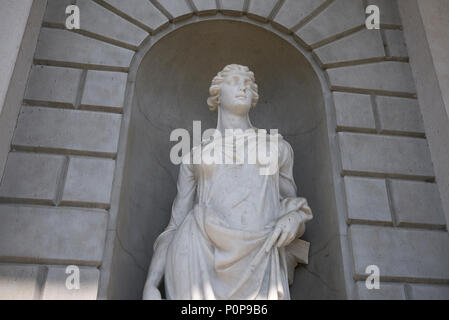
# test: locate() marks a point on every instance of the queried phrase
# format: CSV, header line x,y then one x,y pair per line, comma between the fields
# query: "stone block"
x,y
14,17
53,86
401,254
362,45
367,200
72,131
429,291
143,12
55,12
103,22
354,111
385,155
50,235
20,24
431,72
416,203
340,16
32,177
89,181
395,43
177,9
387,291
293,12
234,7
104,90
73,49
205,6
55,285
399,115
261,9
389,13
387,76
19,282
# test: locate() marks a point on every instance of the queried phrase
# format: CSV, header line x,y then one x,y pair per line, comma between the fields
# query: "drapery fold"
x,y
214,255
223,263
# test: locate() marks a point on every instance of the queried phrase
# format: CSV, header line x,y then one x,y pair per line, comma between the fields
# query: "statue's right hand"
x,y
151,293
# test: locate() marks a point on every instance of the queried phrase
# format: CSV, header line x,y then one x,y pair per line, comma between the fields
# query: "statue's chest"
x,y
241,195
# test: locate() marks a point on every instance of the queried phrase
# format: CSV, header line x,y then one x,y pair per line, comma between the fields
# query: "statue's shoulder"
x,y
281,140
284,142
195,152
285,150
270,133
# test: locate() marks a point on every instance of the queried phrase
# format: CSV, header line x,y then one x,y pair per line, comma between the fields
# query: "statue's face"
x,y
236,94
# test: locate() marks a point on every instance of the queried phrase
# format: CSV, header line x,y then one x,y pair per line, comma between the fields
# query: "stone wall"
x,y
61,188
425,26
20,23
171,87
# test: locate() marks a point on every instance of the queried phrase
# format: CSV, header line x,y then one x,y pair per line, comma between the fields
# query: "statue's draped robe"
x,y
222,219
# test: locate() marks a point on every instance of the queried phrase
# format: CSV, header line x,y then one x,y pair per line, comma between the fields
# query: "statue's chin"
x,y
240,109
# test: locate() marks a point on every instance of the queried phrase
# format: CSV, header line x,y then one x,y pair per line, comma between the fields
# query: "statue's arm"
x,y
156,272
183,203
287,185
288,190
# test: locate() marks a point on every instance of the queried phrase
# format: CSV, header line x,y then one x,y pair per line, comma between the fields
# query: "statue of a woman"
x,y
231,226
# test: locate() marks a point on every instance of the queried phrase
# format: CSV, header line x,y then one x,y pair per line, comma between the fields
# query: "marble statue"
x,y
234,232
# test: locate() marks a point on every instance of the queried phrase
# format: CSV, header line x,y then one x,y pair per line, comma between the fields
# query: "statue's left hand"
x,y
285,230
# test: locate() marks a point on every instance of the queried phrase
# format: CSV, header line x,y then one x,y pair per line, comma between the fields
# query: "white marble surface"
x,y
231,226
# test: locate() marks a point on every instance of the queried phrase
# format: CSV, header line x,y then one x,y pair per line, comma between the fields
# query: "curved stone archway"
x,y
171,88
79,97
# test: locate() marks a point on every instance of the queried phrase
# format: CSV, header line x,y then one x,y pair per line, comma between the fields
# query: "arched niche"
x,y
170,91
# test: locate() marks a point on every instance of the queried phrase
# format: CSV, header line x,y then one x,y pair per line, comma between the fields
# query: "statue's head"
x,y
235,89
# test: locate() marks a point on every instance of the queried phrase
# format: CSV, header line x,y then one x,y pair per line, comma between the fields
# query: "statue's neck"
x,y
227,120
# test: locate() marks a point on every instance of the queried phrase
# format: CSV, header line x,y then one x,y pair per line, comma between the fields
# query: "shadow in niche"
x,y
171,91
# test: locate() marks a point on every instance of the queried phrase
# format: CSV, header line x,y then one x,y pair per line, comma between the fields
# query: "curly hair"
x,y
215,88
